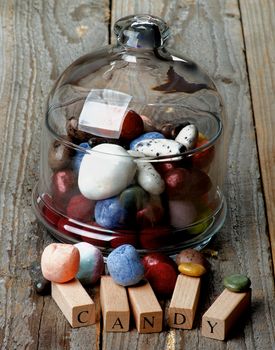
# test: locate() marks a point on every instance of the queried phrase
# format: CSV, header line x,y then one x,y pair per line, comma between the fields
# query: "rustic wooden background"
x,y
234,42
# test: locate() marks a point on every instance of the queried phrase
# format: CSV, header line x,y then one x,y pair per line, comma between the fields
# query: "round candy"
x,y
192,269
91,263
147,135
182,213
191,255
202,159
237,283
80,208
132,126
111,214
74,132
177,182
171,131
60,155
60,262
152,214
63,187
124,265
79,155
105,172
162,278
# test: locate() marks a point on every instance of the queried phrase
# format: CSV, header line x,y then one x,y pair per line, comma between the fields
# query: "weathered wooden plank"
x,y
38,39
210,33
259,25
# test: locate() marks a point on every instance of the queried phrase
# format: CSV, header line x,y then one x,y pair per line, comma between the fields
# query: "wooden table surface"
x,y
234,41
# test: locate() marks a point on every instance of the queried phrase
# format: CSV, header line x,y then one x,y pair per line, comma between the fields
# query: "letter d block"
x,y
146,309
223,313
74,302
184,302
114,305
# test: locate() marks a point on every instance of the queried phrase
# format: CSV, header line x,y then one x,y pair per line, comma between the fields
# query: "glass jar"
x,y
131,147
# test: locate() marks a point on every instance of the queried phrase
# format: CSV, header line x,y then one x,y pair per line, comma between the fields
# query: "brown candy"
x,y
60,154
171,131
74,132
191,256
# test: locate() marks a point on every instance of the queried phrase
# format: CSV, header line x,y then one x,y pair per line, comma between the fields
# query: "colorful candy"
x,y
124,265
60,262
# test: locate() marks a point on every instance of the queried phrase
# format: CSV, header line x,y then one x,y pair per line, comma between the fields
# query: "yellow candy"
x,y
191,269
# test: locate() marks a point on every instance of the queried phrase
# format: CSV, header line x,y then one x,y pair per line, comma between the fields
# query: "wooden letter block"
x,y
146,309
74,302
184,302
223,313
114,305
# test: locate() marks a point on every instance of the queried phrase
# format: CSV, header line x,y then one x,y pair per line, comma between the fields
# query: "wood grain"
x,y
259,25
38,40
210,33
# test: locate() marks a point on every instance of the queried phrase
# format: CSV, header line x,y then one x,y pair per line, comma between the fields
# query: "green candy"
x,y
133,199
237,283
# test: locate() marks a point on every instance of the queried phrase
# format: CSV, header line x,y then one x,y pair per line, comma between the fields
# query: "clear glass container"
x,y
131,149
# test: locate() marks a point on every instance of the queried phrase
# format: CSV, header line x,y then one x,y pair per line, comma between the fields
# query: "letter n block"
x,y
184,302
146,309
223,313
114,305
75,303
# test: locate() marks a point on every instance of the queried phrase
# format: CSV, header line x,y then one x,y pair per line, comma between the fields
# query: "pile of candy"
x,y
115,186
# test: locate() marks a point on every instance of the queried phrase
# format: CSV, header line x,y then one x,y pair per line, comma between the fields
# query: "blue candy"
x,y
111,214
79,155
124,265
147,135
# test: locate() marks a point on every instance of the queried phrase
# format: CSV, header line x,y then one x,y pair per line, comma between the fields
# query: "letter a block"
x,y
184,302
146,309
223,313
115,306
74,302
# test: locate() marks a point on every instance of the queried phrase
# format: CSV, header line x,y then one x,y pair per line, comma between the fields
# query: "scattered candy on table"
x,y
91,265
60,262
237,283
124,265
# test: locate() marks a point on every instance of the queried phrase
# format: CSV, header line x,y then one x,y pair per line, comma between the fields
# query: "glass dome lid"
x,y
139,74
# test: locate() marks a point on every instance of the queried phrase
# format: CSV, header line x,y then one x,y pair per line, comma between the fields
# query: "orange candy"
x,y
60,262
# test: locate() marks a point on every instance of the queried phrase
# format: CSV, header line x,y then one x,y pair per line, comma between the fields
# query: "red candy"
x,y
132,126
80,208
203,158
161,272
63,188
164,167
177,182
154,237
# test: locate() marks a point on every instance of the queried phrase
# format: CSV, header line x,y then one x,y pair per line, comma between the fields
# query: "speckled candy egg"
x,y
60,262
191,256
146,136
105,172
124,265
91,263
